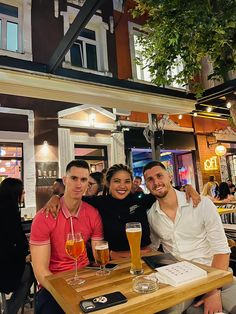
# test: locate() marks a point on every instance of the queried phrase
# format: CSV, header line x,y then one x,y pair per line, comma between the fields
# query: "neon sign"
x,y
211,163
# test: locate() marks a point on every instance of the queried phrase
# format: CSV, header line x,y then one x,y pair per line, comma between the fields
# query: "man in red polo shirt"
x,y
48,236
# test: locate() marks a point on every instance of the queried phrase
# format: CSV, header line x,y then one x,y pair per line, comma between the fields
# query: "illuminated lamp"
x,y
220,150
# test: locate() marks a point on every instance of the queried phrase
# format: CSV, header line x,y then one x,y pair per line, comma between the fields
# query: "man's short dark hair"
x,y
77,163
138,177
152,164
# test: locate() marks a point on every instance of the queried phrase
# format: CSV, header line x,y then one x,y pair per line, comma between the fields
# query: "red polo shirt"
x,y
47,230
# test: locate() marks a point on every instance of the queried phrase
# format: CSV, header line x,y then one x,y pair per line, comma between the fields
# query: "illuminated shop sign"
x,y
211,163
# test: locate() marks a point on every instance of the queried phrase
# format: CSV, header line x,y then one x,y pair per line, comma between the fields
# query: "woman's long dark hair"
x,y
224,190
11,190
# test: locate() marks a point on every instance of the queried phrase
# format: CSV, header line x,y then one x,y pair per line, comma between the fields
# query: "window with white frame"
x,y
15,29
83,53
140,70
89,51
9,27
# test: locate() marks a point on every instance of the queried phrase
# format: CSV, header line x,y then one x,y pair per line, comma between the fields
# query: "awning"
x,y
142,98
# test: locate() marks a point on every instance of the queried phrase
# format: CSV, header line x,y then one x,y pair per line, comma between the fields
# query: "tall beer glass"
x,y
134,233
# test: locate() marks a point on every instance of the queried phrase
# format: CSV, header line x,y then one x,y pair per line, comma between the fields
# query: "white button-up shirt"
x,y
196,234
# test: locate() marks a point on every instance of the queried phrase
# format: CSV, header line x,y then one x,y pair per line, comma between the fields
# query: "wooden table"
x,y
121,280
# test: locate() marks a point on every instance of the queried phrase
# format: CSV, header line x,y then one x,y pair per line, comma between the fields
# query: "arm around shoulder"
x,y
193,194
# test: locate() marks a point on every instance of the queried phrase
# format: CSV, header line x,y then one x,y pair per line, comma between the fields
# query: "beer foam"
x,y
101,247
133,229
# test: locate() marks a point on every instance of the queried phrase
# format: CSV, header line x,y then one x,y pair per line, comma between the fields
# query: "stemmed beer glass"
x,y
134,233
74,248
102,257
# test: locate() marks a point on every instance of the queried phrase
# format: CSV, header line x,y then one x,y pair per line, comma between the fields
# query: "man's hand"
x,y
52,206
212,302
193,194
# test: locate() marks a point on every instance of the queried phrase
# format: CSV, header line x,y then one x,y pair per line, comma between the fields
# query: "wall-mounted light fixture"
x,y
92,119
220,150
45,148
228,105
209,109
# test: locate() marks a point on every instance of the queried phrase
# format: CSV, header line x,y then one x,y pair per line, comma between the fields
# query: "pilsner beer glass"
x,y
102,257
134,233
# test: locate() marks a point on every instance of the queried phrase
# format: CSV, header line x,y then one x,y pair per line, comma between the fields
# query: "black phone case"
x,y
102,302
155,261
109,266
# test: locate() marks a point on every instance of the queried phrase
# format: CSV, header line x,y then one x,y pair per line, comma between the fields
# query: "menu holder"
x,y
180,273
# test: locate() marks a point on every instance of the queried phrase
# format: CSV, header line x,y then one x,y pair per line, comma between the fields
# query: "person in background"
x,y
95,184
194,234
95,187
104,172
58,187
232,189
136,188
210,189
117,208
229,182
48,236
224,193
231,186
16,275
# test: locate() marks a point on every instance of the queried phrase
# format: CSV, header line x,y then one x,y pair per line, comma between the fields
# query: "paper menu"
x,y
180,273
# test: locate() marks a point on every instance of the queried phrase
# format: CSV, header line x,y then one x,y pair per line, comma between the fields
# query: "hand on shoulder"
x,y
52,206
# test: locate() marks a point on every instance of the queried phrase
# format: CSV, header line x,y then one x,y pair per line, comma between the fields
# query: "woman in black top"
x,y
15,274
119,207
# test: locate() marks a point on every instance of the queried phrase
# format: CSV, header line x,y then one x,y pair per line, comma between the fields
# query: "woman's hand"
x,y
193,194
52,206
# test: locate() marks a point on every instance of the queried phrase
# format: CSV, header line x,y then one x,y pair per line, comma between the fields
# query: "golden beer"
x,y
102,254
134,233
102,257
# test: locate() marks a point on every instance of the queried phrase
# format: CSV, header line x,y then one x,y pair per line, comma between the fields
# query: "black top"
x,y
14,247
116,213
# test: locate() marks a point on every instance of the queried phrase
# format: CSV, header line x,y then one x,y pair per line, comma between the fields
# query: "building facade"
x,y
91,103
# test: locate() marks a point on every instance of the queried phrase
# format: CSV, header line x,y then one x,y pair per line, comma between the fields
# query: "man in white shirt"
x,y
195,234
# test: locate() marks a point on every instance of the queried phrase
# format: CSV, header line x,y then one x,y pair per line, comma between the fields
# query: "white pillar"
x,y
117,148
65,149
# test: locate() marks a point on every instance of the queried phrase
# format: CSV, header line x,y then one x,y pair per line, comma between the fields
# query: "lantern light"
x,y
220,150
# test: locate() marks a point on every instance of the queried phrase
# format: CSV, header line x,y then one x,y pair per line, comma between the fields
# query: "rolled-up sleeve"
x,y
214,228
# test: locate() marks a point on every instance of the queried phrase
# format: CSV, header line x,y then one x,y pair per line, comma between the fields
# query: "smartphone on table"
x,y
110,266
102,301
